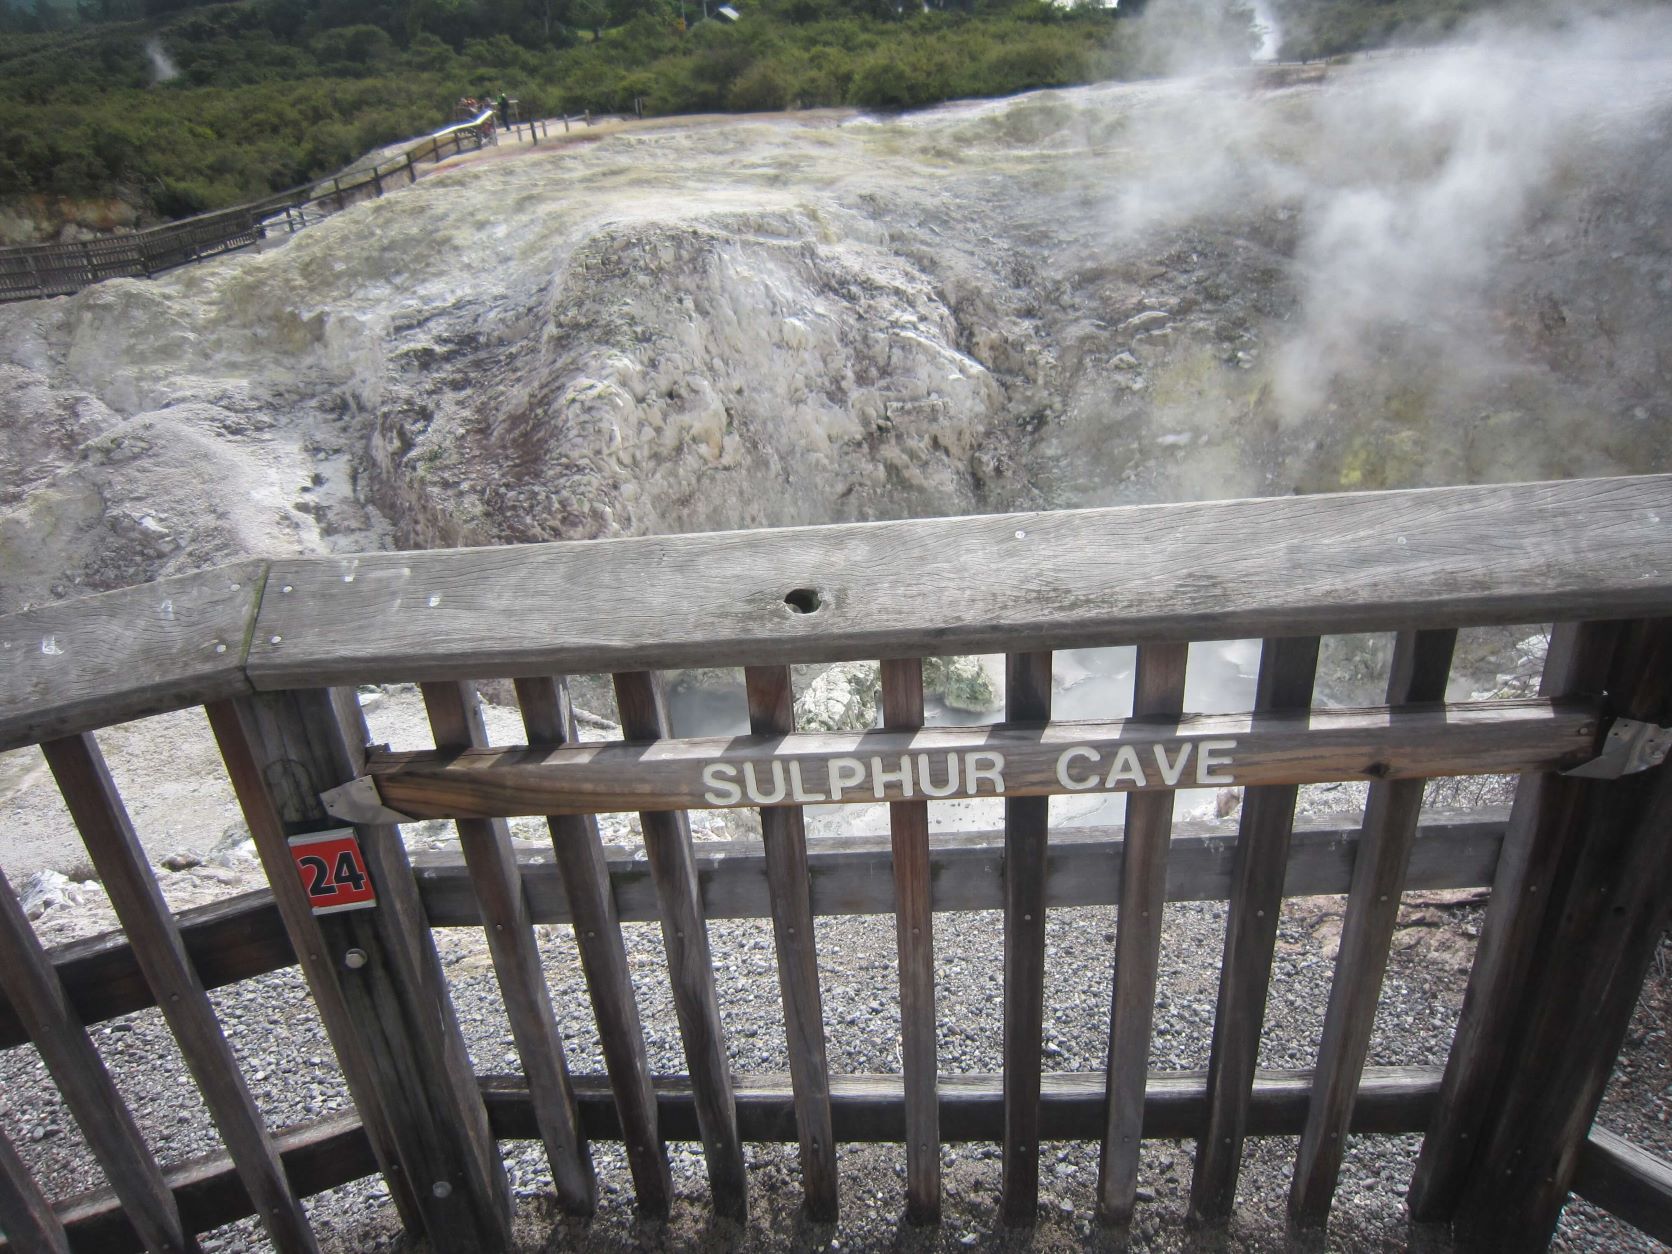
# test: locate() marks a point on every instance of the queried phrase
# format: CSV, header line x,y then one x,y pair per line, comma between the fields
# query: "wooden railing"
x,y
36,270
1579,867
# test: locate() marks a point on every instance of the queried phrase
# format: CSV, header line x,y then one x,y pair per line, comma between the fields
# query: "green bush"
x,y
274,93
763,87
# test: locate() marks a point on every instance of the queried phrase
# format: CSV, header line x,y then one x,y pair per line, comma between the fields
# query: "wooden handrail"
x,y
1465,556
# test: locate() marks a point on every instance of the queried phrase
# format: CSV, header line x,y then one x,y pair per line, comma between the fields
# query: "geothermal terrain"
x,y
1440,267
1435,268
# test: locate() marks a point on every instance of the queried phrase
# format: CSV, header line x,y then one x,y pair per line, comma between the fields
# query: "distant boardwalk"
x,y
38,270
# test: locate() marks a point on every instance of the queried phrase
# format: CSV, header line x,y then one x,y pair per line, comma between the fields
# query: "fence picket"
x,y
1287,668
1420,669
1027,699
33,987
1158,691
667,844
772,713
26,1217
914,932
456,723
579,854
99,814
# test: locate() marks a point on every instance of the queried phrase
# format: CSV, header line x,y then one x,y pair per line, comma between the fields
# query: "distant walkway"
x,y
37,270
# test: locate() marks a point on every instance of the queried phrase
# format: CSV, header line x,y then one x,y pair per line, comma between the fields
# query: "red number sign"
x,y
333,871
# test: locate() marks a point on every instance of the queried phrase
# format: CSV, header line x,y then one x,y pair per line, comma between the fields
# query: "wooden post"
x,y
1421,666
914,933
1287,668
411,170
1027,699
1599,937
667,844
99,814
1158,691
373,972
1538,848
456,721
579,855
772,713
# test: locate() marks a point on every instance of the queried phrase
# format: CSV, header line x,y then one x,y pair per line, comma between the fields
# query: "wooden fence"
x,y
36,270
1580,868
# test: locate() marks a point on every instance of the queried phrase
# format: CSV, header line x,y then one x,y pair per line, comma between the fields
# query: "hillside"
x,y
117,111
175,112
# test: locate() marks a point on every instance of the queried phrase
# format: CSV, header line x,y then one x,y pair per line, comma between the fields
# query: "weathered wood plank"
x,y
1394,560
1539,846
667,843
1291,747
244,936
318,1155
1027,821
1420,669
1594,951
333,1151
914,941
1627,1181
26,1217
123,868
373,972
456,723
84,1084
585,889
83,664
1287,668
1158,691
784,840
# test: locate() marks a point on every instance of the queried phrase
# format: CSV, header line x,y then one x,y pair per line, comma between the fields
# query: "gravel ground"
x,y
280,1043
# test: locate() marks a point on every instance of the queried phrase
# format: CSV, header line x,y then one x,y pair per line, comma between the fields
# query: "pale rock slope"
x,y
1445,267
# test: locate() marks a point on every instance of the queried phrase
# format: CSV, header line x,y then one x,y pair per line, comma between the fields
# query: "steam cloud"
x,y
1434,205
162,65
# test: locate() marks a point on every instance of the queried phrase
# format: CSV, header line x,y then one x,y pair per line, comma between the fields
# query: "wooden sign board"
x,y
1197,751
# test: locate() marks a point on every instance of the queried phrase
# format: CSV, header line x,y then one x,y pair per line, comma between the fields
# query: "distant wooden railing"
x,y
36,270
1579,867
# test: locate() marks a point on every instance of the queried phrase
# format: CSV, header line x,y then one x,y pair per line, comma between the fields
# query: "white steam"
x,y
162,65
1414,191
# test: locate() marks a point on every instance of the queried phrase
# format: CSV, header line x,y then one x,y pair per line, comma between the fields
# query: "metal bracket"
x,y
358,801
1629,747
